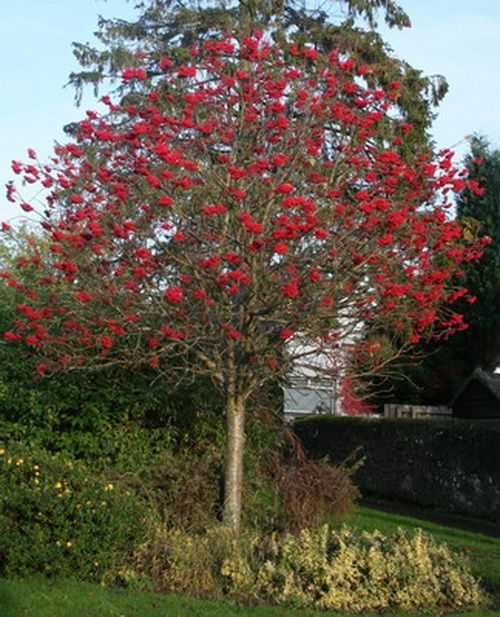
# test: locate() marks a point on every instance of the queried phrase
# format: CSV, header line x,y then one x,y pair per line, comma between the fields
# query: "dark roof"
x,y
490,381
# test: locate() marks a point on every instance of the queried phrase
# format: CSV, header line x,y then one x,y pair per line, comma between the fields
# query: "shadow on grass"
x,y
8,602
434,515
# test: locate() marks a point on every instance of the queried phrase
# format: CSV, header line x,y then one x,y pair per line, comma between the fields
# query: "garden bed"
x,y
39,598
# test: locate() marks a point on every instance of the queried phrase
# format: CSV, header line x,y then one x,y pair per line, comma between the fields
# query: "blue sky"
x,y
457,38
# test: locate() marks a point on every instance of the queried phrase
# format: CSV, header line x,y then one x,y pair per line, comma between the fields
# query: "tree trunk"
x,y
233,481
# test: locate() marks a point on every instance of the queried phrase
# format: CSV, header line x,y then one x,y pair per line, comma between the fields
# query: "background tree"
x,y
172,27
254,196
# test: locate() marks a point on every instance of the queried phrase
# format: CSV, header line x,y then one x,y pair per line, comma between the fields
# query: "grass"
x,y
39,598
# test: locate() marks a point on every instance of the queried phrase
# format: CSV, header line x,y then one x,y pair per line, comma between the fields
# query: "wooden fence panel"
x,y
416,411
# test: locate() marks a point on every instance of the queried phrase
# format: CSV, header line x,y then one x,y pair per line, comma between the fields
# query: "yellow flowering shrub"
x,y
59,518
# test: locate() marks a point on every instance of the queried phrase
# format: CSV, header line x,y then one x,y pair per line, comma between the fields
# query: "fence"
x,y
416,411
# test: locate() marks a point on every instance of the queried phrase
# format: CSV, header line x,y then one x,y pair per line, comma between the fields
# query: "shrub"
x,y
264,453
58,519
184,486
326,569
321,568
263,508
182,489
124,447
315,492
179,475
179,562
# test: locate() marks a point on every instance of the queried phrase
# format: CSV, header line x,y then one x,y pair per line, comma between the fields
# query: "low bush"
x,y
182,489
59,519
281,492
321,568
176,561
74,503
314,493
284,491
184,485
326,569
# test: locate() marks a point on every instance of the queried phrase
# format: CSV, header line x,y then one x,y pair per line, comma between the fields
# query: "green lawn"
x,y
38,598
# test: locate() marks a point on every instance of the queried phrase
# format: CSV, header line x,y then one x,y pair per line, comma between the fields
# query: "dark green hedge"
x,y
453,465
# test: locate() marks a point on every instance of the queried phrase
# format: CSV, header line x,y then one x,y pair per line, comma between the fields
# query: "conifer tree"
x,y
478,208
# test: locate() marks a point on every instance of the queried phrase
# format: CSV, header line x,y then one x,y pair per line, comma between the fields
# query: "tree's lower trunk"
x,y
233,481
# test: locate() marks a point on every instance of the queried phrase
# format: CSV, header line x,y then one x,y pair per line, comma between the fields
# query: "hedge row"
x,y
453,465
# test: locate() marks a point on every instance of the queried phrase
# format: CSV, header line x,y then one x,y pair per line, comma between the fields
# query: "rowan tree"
x,y
252,211
446,364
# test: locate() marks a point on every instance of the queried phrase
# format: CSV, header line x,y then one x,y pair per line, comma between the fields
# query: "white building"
x,y
314,383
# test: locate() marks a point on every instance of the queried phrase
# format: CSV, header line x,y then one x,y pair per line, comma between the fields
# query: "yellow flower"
x,y
19,461
57,485
2,451
69,544
108,487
